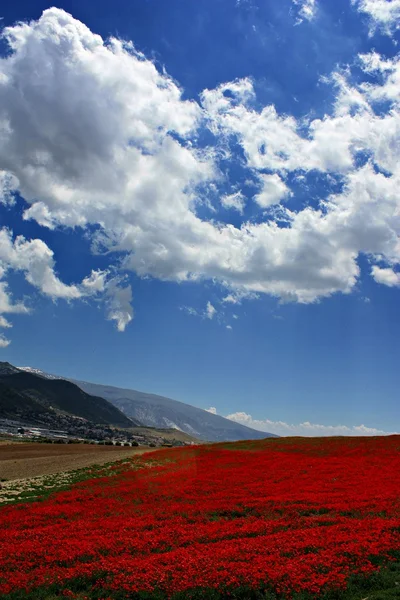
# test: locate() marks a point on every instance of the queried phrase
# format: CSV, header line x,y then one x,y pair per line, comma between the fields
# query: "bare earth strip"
x,y
21,460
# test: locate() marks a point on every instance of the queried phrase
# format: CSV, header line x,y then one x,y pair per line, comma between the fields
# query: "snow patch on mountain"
x,y
171,424
190,429
38,372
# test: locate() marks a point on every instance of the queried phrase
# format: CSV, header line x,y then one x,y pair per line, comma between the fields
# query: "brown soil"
x,y
20,460
167,434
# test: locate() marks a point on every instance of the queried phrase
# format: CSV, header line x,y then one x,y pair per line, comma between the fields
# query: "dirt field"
x,y
20,460
167,434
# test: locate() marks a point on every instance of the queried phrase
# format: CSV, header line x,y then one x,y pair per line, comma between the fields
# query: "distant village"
x,y
85,433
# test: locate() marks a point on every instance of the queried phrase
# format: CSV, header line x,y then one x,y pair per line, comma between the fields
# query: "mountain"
x,y
164,413
35,394
19,407
36,372
158,411
7,369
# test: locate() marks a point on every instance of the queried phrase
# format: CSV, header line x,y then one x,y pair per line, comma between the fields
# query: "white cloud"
x,y
191,311
373,62
119,303
95,282
4,322
8,185
93,134
235,201
386,276
231,299
229,326
4,342
306,429
210,311
6,302
273,190
237,297
307,9
282,144
35,259
384,14
211,410
386,90
273,142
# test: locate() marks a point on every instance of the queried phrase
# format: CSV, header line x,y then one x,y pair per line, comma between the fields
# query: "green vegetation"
x,y
382,585
42,487
19,406
67,397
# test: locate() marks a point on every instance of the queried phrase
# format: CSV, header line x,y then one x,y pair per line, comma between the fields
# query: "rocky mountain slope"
x,y
27,395
158,411
161,412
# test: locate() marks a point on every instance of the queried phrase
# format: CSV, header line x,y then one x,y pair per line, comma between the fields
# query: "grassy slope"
x,y
16,405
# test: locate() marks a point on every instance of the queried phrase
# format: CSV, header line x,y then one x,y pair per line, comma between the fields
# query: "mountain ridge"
x,y
40,395
157,411
153,410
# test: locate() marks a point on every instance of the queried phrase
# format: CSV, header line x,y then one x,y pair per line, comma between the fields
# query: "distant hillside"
x,y
7,369
31,394
17,406
158,411
164,413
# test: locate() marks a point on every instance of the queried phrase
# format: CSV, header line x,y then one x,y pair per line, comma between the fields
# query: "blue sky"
x,y
200,199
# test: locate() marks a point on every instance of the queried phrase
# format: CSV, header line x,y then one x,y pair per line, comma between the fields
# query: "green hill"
x,y
24,395
17,406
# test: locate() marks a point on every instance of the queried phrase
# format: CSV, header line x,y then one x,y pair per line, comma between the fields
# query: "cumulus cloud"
x,y
8,185
119,304
35,259
386,276
383,14
4,342
4,322
273,190
95,282
7,304
93,134
210,311
306,9
212,410
235,201
306,429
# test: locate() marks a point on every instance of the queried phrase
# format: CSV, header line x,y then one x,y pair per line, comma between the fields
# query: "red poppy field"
x,y
282,518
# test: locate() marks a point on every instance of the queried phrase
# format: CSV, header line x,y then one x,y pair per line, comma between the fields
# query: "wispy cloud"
x,y
383,14
208,312
305,429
